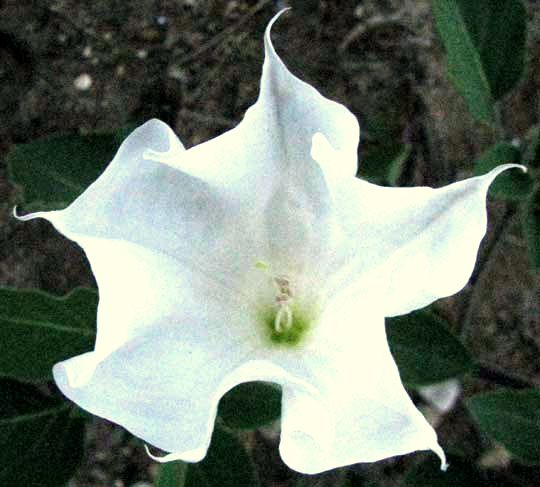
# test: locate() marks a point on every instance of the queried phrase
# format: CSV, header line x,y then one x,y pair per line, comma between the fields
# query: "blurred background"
x,y
68,66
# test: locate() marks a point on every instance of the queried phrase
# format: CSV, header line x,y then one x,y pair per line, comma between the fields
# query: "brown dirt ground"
x,y
196,65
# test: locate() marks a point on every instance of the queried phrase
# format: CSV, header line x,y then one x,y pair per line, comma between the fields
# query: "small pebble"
x,y
87,52
83,82
177,73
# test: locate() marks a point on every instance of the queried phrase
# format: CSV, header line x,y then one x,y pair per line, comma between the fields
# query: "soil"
x,y
69,66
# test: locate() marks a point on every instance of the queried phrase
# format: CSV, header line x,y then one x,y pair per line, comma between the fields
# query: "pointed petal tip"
x,y
31,216
490,176
267,38
164,459
22,218
504,167
191,456
275,17
440,453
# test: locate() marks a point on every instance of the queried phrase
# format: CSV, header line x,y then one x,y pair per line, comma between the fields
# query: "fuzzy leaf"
x,y
38,329
511,418
54,171
425,351
41,444
251,405
172,474
485,44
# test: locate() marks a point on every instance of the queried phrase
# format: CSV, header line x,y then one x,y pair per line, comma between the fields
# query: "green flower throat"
x,y
285,322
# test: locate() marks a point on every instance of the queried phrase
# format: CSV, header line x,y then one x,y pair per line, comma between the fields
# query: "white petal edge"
x,y
361,412
431,235
323,120
359,415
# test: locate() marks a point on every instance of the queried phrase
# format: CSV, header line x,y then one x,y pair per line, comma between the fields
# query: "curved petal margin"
x,y
431,235
361,412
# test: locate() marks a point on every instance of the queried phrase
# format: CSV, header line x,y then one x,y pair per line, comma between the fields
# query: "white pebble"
x,y
142,53
83,82
87,52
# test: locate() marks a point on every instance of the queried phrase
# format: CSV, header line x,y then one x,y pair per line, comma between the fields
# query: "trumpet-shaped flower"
x,y
259,256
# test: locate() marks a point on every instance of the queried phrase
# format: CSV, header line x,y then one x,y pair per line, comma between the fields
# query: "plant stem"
x,y
498,376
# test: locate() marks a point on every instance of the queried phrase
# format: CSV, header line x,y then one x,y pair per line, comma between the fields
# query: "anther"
x,y
283,285
284,296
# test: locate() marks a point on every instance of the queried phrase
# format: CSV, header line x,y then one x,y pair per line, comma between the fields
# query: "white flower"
x,y
259,256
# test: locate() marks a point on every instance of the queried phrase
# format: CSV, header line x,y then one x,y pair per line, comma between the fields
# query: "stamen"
x,y
279,315
283,300
284,296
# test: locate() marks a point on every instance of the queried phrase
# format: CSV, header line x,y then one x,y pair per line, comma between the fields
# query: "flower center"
x,y
286,320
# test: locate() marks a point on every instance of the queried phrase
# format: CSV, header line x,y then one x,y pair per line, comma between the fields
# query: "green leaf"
x,y
460,473
512,418
250,405
54,171
226,464
485,44
512,185
532,227
172,474
37,330
425,350
41,445
383,144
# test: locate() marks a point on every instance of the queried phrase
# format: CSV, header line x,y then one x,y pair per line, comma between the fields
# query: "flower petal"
x,y
431,236
140,289
151,203
301,113
272,153
169,341
361,412
163,386
200,203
